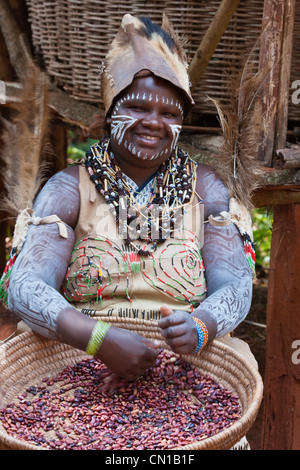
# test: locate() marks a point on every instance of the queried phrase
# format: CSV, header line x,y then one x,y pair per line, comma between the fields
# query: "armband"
x,y
98,334
202,334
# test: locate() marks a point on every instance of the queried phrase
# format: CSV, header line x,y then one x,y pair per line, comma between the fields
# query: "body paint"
x,y
175,128
119,125
122,122
147,97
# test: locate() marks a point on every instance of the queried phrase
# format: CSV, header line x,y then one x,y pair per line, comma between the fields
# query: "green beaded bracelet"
x,y
98,334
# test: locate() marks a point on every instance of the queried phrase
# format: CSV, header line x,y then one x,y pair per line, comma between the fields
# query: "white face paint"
x,y
120,123
175,128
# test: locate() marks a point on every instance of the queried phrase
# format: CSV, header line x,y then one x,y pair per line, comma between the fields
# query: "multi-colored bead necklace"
x,y
172,188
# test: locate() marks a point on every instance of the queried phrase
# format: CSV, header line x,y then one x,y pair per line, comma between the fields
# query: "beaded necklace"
x,y
173,187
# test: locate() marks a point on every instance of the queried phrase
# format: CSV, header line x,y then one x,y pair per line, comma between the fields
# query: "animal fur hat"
x,y
141,45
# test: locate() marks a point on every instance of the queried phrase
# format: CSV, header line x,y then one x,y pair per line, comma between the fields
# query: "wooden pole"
x,y
269,62
16,41
211,40
276,195
3,223
285,74
287,158
281,424
6,73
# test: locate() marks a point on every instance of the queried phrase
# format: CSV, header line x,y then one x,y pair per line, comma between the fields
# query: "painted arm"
x,y
39,272
228,275
41,265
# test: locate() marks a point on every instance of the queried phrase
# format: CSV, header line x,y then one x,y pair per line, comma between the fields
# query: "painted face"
x,y
146,121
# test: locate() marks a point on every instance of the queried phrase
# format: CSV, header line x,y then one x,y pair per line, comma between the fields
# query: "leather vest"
x,y
106,277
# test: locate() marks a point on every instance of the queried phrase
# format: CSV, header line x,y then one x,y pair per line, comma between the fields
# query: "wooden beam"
x,y
281,423
211,40
285,74
6,73
269,63
276,195
287,158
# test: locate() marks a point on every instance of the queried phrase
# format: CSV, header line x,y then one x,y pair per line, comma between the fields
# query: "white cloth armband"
x,y
240,216
27,217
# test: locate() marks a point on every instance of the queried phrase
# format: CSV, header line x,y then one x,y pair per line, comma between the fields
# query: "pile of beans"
x,y
171,405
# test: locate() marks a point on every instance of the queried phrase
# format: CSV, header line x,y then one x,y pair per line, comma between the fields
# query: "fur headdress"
x,y
142,45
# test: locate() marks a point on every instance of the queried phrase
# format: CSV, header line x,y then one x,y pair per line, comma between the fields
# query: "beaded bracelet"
x,y
202,334
98,334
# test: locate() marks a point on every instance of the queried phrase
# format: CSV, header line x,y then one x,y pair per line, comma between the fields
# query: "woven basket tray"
x,y
28,358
